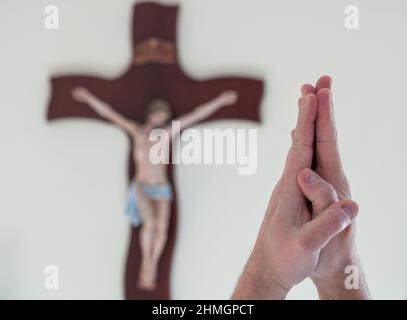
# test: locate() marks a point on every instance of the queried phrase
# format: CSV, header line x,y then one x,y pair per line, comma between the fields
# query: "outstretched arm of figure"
x,y
205,110
103,109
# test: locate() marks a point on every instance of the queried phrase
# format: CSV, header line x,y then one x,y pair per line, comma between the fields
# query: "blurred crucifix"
x,y
150,194
152,91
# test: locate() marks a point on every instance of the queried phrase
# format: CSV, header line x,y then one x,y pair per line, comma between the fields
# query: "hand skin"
x,y
340,252
296,242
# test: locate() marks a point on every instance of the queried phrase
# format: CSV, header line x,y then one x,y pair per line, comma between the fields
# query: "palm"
x,y
285,202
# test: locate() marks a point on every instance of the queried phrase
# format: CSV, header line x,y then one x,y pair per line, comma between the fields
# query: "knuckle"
x,y
338,220
301,144
327,190
303,244
332,139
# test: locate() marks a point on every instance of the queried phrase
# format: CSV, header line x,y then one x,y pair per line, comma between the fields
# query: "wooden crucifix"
x,y
153,75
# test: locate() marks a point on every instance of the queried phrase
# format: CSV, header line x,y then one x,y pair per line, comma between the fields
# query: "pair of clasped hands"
x,y
308,228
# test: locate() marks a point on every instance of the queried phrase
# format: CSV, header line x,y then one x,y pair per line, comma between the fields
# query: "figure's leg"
x,y
161,225
147,230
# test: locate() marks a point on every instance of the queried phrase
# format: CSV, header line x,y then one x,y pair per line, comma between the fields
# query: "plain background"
x,y
63,185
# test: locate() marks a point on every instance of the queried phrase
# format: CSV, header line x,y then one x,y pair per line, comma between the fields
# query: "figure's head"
x,y
158,113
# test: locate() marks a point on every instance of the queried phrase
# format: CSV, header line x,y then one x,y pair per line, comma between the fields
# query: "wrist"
x,y
256,283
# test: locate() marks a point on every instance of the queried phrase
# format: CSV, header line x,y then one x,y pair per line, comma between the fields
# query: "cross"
x,y
154,72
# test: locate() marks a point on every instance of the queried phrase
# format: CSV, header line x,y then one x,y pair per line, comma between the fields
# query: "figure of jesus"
x,y
150,193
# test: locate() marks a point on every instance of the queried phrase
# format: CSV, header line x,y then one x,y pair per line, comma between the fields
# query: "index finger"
x,y
301,152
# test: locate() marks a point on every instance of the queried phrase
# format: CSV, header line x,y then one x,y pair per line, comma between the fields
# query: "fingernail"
x,y
309,177
350,210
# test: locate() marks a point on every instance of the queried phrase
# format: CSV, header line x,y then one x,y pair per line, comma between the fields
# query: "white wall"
x,y
62,185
